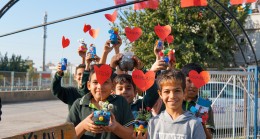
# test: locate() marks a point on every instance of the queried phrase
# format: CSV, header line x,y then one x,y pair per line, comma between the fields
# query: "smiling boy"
x,y
174,122
81,112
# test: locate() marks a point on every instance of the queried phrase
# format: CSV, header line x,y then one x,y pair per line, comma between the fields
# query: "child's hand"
x,y
156,53
58,68
158,65
97,59
112,125
139,135
88,58
82,53
107,48
90,126
115,60
138,63
117,46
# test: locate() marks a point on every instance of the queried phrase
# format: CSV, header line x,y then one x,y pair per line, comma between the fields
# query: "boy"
x,y
67,94
81,112
174,122
191,96
124,86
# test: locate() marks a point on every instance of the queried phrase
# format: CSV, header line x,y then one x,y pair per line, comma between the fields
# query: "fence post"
x,y
27,80
248,104
4,82
255,69
12,80
19,82
234,107
40,81
256,102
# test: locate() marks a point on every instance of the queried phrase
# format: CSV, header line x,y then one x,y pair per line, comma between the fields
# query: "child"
x,y
174,122
191,96
81,112
67,94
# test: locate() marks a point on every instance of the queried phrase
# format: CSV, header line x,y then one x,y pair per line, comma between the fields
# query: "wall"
x,y
22,96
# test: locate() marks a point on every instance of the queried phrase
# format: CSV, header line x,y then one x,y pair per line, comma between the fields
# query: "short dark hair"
x,y
171,76
79,67
191,66
123,78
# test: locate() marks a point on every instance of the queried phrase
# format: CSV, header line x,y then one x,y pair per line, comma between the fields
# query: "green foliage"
x,y
15,63
201,39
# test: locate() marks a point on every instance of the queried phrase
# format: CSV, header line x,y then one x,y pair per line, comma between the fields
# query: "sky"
x,y
29,44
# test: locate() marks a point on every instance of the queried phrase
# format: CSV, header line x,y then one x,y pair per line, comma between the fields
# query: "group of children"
x,y
171,119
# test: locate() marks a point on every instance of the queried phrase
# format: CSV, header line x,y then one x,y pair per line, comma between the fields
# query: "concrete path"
x,y
21,117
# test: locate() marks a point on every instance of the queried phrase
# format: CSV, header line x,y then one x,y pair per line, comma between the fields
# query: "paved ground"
x,y
20,117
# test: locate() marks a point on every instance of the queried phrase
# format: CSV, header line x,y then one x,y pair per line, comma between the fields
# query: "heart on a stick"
x,y
86,28
133,34
103,73
162,31
170,39
199,79
111,17
94,33
65,42
143,81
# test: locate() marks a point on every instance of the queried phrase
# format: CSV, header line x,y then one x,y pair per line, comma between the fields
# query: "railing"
x,y
232,96
15,81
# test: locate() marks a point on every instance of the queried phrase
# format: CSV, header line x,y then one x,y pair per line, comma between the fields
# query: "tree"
x,y
15,63
199,35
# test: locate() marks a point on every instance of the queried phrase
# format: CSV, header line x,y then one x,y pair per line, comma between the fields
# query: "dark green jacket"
x,y
66,94
81,109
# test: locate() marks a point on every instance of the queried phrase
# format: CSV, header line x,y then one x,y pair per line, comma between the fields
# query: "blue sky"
x,y
28,13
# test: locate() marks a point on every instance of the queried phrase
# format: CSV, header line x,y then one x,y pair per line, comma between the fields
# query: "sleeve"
x,y
128,116
199,132
210,122
149,130
66,95
74,113
151,96
85,78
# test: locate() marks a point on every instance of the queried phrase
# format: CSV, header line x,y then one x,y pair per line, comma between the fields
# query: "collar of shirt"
x,y
86,99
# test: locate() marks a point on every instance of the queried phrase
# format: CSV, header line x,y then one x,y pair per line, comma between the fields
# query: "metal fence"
x,y
232,94
233,102
15,81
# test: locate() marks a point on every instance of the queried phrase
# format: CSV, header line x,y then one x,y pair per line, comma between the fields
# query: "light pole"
x,y
44,40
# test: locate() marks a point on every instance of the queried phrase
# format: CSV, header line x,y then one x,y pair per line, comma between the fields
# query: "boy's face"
x,y
126,90
191,91
78,76
172,95
99,92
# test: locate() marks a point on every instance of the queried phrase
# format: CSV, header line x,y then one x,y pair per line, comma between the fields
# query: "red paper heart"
x,y
153,4
162,31
141,5
143,81
133,34
236,2
94,33
199,79
190,3
86,28
118,2
112,17
65,42
170,39
103,73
